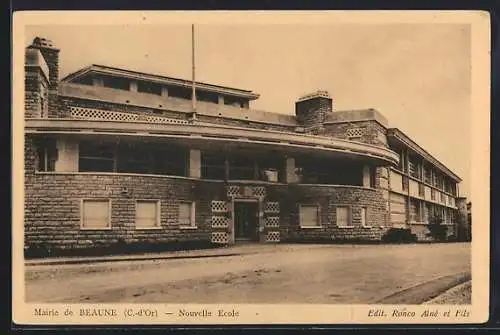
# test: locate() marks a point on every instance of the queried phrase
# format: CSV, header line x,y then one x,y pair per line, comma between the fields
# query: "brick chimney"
x,y
311,110
51,56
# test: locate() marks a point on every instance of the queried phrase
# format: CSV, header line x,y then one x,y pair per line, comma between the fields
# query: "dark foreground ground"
x,y
345,274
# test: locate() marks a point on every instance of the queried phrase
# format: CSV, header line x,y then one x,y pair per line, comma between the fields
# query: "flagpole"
x,y
193,95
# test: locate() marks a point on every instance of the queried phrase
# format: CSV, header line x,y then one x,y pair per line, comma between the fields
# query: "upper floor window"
x,y
148,87
96,157
116,82
213,165
427,175
46,155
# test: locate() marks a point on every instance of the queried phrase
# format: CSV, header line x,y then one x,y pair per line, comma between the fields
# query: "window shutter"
x,y
186,214
95,214
146,214
309,216
343,216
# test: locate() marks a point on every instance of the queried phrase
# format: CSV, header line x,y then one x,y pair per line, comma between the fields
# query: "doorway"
x,y
246,222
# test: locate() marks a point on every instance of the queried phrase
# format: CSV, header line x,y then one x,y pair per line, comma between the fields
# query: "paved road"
x,y
276,274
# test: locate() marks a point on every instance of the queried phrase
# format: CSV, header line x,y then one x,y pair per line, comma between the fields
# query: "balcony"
x,y
215,135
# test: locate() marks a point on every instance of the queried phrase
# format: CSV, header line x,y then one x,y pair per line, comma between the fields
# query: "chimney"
x,y
51,56
311,110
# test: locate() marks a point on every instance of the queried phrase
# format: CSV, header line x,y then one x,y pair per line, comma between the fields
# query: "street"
x,y
345,274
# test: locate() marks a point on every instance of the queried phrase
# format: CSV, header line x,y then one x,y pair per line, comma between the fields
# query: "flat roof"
x,y
406,140
124,73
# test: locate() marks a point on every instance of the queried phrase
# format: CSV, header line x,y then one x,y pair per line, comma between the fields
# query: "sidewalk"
x,y
232,250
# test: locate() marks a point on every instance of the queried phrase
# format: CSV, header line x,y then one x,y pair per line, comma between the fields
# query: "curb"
x,y
124,259
448,292
424,292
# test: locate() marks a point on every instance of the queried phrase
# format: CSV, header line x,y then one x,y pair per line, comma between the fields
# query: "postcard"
x,y
262,167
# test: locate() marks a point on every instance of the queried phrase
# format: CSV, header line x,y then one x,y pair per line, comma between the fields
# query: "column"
x,y
164,91
67,156
290,170
194,163
133,86
221,100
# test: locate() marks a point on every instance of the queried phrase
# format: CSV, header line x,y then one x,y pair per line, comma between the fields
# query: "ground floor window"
x,y
309,216
364,217
147,214
187,215
96,214
343,216
415,210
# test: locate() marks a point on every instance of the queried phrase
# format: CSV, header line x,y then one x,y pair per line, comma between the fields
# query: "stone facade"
x,y
54,199
369,131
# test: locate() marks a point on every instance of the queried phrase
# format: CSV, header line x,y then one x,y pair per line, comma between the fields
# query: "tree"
x,y
437,230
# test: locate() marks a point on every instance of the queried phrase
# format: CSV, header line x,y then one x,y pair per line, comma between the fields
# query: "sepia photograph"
x,y
201,162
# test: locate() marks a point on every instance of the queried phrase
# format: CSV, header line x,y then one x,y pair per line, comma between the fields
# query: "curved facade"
x,y
114,156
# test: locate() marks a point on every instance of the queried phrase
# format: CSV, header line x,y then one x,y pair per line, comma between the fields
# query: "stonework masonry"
x,y
53,200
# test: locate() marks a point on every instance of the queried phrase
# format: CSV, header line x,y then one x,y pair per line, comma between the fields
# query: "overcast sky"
x,y
416,75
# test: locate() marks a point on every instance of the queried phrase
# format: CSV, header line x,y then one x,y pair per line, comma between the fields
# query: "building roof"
x,y
123,73
406,140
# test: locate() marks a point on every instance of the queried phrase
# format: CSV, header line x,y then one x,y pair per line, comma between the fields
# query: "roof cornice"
x,y
101,69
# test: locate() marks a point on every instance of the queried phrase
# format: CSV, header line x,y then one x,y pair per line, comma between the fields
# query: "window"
x,y
427,176
406,182
343,217
116,83
364,217
242,167
96,157
187,215
413,169
433,194
421,190
47,155
415,212
147,214
96,214
147,87
309,216
213,166
312,170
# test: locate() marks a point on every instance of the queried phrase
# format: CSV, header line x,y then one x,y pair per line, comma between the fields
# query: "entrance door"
x,y
246,221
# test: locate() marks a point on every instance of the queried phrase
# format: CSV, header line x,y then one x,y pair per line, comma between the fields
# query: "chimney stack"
x,y
51,56
311,110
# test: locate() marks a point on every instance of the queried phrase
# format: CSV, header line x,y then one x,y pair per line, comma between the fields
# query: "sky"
x,y
417,75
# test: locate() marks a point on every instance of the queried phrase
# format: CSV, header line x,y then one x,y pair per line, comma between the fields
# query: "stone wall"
x,y
53,208
311,113
53,201
372,131
328,198
35,94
